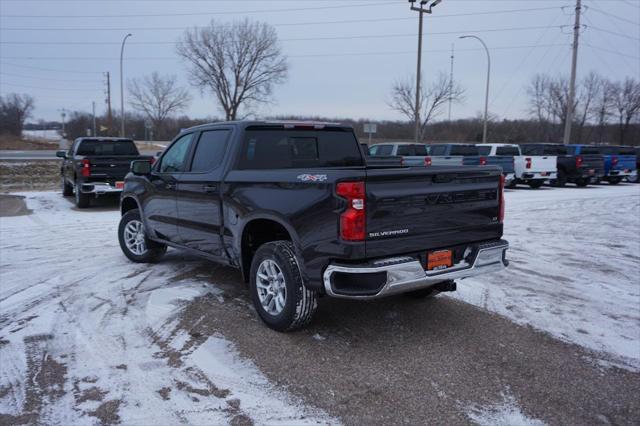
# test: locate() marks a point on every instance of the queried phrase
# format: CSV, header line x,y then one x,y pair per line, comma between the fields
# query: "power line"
x,y
49,69
613,15
48,88
47,78
351,37
377,53
240,12
612,51
613,32
284,24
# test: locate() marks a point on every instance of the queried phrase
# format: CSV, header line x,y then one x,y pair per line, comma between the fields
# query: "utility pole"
x,y
486,93
109,114
572,83
421,10
93,109
122,88
63,114
451,82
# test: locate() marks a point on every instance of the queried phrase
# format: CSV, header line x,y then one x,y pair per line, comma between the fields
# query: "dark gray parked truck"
x,y
96,166
295,207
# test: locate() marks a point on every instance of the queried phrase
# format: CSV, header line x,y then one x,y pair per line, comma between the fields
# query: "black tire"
x,y
535,184
614,180
513,184
300,302
67,189
423,293
582,182
560,181
82,200
154,250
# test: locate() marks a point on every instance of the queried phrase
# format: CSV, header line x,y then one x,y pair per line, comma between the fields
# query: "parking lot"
x,y
87,336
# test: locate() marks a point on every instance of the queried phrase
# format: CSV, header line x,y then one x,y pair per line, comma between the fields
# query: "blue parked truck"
x,y
619,163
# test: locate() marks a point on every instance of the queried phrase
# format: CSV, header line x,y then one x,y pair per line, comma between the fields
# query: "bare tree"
x,y
239,62
602,108
589,89
158,97
432,99
14,110
540,104
626,101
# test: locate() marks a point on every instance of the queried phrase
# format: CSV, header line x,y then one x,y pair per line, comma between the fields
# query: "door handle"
x,y
170,186
209,188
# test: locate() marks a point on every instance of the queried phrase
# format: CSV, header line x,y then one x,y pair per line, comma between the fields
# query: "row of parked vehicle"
x,y
532,164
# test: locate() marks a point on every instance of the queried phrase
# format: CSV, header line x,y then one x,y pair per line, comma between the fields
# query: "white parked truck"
x,y
532,170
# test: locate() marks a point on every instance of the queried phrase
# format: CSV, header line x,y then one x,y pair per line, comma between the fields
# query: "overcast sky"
x,y
51,49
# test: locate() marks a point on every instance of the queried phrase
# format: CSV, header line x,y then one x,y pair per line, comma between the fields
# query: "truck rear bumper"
x,y
98,188
402,274
539,176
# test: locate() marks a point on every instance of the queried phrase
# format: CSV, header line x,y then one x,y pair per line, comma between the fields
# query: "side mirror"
x,y
61,154
141,167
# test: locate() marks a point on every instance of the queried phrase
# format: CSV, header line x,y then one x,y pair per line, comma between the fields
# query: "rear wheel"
x,y
277,288
535,184
67,189
82,200
633,178
614,180
560,180
134,242
582,182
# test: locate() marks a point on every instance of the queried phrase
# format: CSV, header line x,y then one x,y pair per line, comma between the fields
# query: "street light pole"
x,y
122,88
421,10
486,95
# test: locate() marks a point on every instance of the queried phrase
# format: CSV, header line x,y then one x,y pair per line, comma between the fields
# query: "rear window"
x,y
381,150
273,148
508,150
627,151
437,150
551,150
464,150
532,149
484,150
97,147
590,150
412,150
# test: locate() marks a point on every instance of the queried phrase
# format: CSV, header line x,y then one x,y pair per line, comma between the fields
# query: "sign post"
x,y
370,128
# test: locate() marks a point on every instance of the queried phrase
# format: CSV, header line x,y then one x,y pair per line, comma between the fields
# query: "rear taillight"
x,y
402,161
527,162
501,199
614,160
86,168
483,161
579,161
427,161
352,220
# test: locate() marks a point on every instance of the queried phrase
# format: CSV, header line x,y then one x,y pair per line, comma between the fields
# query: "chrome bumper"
x,y
407,273
98,188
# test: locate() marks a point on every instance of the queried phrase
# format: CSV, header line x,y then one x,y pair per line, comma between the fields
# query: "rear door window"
x,y
210,150
420,150
484,150
381,150
275,148
555,150
405,150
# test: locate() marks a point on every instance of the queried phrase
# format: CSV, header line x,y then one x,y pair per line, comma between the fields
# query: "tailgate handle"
x,y
442,178
209,188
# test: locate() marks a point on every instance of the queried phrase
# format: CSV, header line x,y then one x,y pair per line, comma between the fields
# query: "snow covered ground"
x,y
86,335
50,135
575,268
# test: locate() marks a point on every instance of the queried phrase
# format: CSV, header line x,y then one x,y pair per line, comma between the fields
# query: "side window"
x,y
175,158
373,150
486,150
421,149
210,150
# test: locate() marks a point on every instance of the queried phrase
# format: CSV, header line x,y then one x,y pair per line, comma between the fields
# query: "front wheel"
x,y
277,288
582,182
134,242
535,184
560,180
67,189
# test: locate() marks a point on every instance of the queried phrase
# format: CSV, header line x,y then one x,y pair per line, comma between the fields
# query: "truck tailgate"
x,y
505,162
430,208
539,163
593,162
111,167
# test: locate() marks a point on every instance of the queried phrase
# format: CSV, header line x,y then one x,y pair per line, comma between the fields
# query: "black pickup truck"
x,y
582,169
96,166
295,207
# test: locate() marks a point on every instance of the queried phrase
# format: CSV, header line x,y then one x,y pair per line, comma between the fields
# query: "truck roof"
x,y
285,124
104,139
497,144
